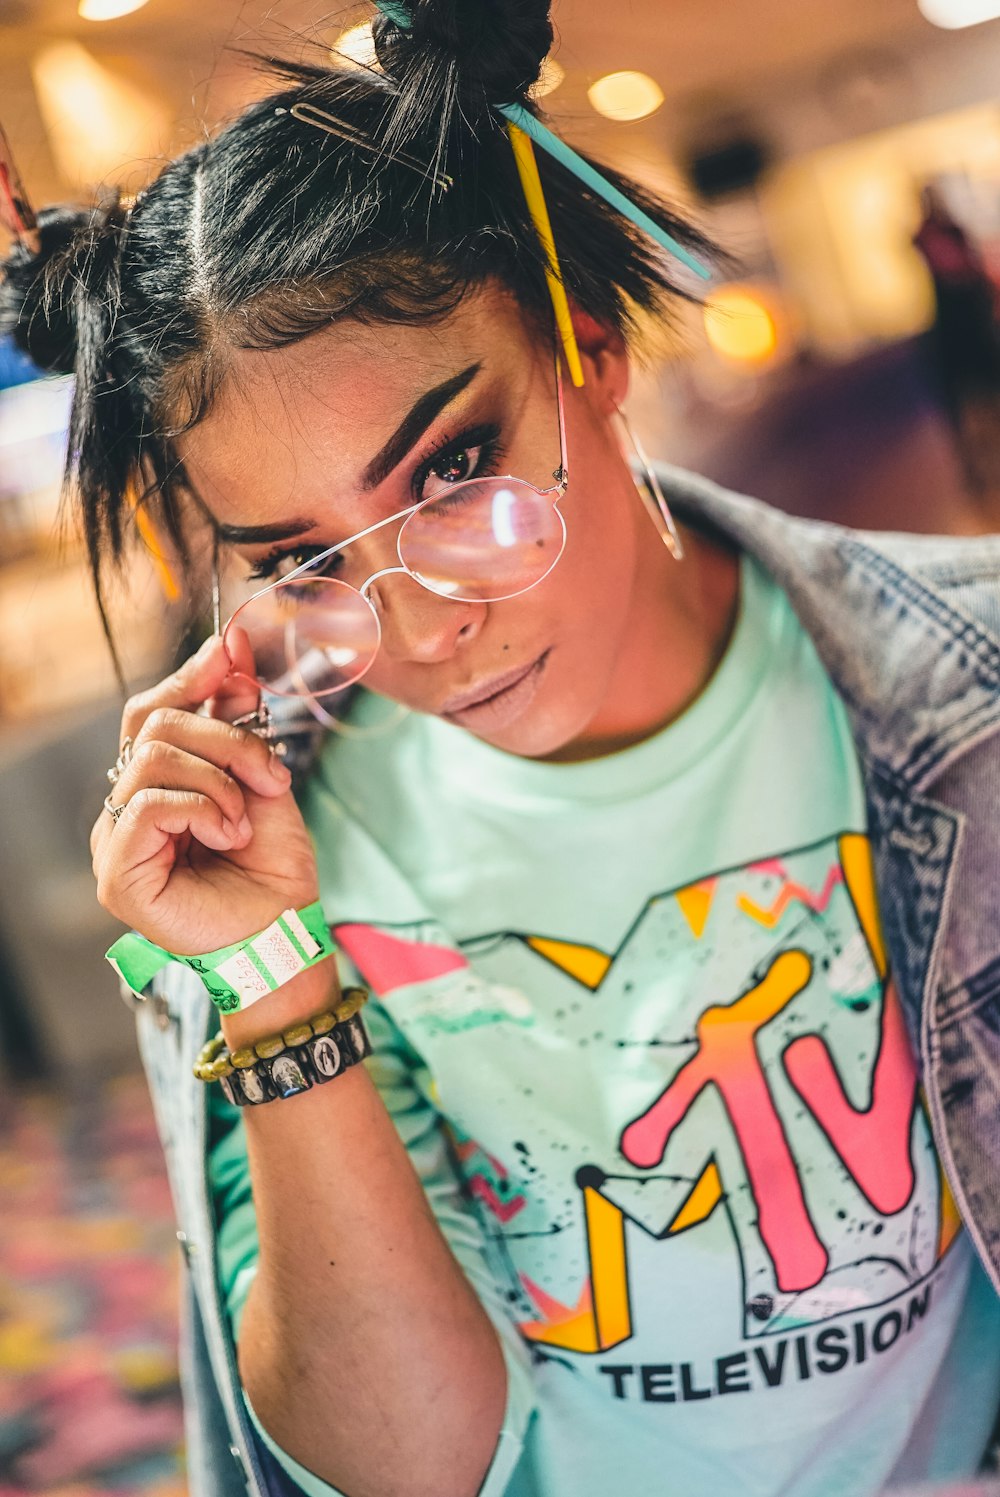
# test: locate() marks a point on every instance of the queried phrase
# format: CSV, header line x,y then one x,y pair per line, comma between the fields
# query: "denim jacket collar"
x,y
919,676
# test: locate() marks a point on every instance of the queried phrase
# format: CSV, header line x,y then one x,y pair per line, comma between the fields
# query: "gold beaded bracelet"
x,y
215,1061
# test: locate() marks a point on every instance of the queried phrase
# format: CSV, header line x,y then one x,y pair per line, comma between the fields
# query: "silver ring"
x,y
113,811
261,723
121,763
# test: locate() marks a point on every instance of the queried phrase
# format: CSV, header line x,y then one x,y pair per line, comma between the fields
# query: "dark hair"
x,y
272,229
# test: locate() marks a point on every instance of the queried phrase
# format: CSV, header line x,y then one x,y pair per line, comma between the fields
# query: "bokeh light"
x,y
625,96
356,44
953,15
549,79
740,327
108,10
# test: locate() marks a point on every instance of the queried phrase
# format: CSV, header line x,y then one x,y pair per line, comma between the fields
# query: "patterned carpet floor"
x,y
89,1401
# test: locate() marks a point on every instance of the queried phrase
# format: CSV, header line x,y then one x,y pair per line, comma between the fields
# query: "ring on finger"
x,y
261,723
113,811
121,763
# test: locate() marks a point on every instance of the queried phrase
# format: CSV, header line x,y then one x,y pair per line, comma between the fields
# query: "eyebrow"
x,y
259,535
414,424
407,433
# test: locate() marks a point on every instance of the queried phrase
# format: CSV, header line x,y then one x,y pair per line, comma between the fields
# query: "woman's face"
x,y
307,445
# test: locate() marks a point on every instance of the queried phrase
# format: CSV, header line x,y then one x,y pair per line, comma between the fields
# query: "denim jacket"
x,y
908,628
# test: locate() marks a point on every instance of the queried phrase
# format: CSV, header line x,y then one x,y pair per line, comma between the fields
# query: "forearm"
x,y
363,1348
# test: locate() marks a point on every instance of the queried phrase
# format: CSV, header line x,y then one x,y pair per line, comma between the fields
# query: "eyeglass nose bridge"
x,y
403,571
377,577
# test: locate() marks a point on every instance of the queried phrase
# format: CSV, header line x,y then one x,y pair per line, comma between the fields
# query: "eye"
x,y
472,455
451,468
282,563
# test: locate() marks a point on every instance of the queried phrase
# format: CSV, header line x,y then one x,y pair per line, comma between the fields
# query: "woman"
x,y
660,1109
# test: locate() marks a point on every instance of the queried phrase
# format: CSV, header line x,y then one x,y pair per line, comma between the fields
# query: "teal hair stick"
x,y
585,173
399,14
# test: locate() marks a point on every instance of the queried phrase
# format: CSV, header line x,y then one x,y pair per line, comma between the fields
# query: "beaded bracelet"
x,y
285,1064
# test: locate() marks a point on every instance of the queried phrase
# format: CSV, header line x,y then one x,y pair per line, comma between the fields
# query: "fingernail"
x,y
280,771
244,828
230,828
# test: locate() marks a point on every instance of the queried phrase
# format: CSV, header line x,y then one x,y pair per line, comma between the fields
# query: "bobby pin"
x,y
311,114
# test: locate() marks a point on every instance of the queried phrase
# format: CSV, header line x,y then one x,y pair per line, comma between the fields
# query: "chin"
x,y
544,731
553,718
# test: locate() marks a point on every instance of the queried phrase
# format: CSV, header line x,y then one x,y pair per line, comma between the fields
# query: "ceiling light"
x,y
625,96
356,44
952,15
107,10
740,327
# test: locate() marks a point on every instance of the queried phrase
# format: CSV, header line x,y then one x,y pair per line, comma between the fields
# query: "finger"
x,y
234,751
158,765
146,829
191,685
98,837
239,692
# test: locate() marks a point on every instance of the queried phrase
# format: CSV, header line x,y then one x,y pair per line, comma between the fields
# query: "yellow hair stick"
x,y
150,539
531,182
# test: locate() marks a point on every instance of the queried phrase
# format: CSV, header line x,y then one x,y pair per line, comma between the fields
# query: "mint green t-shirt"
x,y
634,1022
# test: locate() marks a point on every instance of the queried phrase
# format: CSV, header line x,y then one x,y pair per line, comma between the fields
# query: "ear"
x,y
605,361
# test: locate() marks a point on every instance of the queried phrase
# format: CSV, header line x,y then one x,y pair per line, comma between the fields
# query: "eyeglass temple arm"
x,y
216,593
561,475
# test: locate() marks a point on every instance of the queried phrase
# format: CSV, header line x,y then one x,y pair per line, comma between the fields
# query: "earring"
x,y
651,493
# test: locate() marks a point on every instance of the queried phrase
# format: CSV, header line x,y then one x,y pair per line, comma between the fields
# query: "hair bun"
x,y
496,47
36,290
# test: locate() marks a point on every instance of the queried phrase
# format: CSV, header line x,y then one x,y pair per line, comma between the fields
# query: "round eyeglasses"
x,y
483,540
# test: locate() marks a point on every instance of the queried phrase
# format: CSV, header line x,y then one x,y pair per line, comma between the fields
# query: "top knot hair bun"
x,y
491,50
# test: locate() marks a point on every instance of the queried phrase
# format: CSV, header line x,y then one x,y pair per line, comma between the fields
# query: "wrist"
x,y
242,974
295,1001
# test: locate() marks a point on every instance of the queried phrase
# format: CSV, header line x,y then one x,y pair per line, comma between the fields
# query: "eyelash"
x,y
487,437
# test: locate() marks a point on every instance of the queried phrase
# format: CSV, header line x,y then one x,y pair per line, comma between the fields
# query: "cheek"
x,y
595,575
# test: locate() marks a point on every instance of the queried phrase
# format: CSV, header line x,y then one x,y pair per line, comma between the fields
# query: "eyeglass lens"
x,y
484,541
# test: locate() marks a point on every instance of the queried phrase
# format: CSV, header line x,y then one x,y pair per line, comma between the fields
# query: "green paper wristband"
x,y
239,975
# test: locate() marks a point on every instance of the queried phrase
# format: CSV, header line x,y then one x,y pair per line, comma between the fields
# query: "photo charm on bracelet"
x,y
298,1068
253,1086
288,1076
326,1055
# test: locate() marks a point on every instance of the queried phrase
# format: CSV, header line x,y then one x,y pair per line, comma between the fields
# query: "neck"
x,y
681,623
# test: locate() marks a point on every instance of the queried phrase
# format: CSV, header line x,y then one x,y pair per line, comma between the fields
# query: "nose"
x,y
421,626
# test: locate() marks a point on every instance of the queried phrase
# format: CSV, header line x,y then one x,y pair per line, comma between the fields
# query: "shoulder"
x,y
963,570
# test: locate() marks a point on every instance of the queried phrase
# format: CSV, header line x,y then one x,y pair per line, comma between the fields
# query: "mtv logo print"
x,y
781,1091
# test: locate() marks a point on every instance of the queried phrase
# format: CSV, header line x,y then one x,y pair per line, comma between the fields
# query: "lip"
x,y
499,699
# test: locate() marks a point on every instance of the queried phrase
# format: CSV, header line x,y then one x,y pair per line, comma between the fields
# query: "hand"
x,y
211,846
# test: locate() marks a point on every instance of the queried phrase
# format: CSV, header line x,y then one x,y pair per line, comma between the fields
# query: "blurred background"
x,y
847,155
